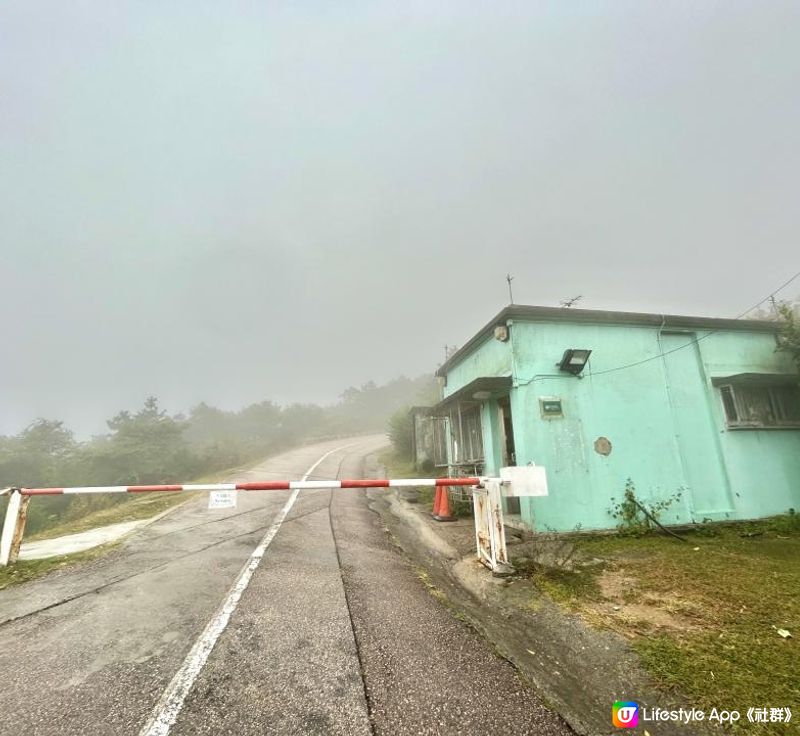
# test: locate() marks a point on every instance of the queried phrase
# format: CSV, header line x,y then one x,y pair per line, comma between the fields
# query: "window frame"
x,y
730,397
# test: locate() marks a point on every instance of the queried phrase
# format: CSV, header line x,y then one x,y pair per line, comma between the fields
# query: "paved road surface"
x,y
334,634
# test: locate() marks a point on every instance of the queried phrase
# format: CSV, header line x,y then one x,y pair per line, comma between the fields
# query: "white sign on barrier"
x,y
525,480
222,500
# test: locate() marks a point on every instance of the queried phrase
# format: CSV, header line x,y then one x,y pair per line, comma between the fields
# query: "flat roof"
x,y
598,316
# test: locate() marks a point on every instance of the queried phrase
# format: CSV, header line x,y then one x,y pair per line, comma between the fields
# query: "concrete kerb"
x,y
578,670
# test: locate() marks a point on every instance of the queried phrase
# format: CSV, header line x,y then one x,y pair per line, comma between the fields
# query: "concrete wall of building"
x,y
663,419
493,358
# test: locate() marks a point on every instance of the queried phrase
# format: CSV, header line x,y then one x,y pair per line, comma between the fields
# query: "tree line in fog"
x,y
148,446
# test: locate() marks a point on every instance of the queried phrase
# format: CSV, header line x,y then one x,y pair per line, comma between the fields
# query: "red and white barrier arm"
x,y
270,485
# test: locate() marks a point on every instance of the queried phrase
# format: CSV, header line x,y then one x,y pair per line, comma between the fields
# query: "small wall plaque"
x,y
550,407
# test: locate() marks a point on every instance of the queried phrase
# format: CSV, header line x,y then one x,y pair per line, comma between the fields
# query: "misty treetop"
x,y
149,446
789,336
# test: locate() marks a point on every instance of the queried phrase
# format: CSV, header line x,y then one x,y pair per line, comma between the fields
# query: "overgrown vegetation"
x,y
400,426
149,446
633,516
704,616
401,433
789,336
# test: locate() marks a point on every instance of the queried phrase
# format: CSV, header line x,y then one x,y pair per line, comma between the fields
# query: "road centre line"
x,y
166,712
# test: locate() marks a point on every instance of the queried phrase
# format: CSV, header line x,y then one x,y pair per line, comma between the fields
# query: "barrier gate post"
x,y
490,534
13,527
487,500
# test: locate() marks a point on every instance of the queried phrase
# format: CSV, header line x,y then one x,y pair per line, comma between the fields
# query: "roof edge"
x,y
531,313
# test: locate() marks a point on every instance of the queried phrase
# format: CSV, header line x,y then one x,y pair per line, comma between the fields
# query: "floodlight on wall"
x,y
574,360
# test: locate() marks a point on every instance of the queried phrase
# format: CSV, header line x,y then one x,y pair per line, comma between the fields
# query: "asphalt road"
x,y
335,633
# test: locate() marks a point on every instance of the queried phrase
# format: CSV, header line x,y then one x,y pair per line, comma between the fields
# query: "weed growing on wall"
x,y
633,517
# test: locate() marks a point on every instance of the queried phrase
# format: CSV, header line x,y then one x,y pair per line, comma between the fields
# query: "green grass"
x,y
396,465
723,601
137,506
570,587
142,506
25,570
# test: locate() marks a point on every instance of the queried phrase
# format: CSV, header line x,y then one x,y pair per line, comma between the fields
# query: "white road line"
x,y
169,705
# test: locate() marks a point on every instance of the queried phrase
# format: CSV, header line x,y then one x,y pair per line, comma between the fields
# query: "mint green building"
x,y
692,404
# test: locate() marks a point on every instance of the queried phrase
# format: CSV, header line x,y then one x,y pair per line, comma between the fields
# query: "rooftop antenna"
x,y
774,303
567,303
510,278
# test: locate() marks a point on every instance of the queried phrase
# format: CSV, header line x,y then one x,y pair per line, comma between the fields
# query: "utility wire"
x,y
698,339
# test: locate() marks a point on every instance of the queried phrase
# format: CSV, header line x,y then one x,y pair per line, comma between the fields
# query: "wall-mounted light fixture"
x,y
501,333
482,395
574,360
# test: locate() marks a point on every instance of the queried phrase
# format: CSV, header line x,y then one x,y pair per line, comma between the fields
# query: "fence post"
x,y
13,527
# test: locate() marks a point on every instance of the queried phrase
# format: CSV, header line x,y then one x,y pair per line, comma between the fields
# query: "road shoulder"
x,y
578,670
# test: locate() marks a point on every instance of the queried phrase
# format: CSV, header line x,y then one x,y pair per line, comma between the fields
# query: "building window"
x,y
440,442
458,440
467,437
758,406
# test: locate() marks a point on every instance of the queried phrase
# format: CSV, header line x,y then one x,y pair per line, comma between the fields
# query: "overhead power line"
x,y
769,296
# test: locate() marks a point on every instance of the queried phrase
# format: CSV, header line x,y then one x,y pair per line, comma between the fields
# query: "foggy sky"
x,y
233,202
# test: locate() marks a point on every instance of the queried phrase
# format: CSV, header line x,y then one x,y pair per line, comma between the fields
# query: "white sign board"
x,y
527,480
222,500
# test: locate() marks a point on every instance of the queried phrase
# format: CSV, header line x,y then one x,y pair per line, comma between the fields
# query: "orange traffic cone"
x,y
437,500
443,512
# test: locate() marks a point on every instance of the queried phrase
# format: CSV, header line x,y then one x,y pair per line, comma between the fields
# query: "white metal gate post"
x,y
13,527
500,554
490,535
487,500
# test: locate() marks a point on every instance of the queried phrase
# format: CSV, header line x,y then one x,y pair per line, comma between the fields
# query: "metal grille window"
x,y
761,406
440,442
467,438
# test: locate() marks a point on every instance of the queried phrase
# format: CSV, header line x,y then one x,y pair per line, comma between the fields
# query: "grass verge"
x,y
132,507
25,570
398,466
703,616
138,506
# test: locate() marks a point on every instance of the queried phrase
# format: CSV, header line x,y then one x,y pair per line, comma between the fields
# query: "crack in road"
x,y
350,609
